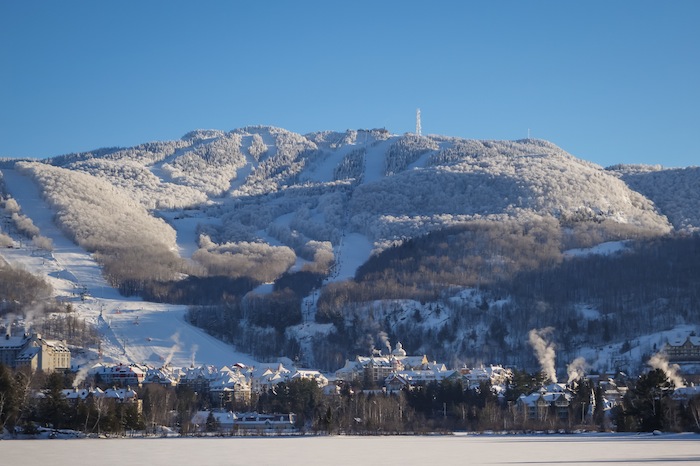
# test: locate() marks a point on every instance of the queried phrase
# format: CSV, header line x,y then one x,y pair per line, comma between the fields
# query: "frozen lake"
x,y
617,449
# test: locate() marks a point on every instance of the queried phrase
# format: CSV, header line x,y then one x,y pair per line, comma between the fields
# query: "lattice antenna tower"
x,y
418,122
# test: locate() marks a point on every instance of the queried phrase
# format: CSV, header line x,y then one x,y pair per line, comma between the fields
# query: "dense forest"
x,y
518,277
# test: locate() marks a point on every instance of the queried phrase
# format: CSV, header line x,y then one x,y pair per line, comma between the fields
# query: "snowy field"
x,y
618,449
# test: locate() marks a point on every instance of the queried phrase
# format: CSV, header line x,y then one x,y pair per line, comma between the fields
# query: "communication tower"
x,y
418,121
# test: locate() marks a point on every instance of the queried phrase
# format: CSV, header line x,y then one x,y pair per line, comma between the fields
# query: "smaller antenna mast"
x,y
418,122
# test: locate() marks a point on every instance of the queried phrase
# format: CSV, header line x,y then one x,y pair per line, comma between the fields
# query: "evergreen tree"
x,y
54,409
644,405
9,399
212,424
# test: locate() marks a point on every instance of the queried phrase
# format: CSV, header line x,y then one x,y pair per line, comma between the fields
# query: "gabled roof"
x,y
120,393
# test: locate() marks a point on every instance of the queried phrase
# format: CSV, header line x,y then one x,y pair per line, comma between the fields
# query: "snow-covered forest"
x,y
315,244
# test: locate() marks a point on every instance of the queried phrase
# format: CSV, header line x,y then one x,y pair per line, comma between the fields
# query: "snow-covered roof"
x,y
75,394
101,368
122,394
680,341
311,375
262,370
28,353
13,342
422,376
549,394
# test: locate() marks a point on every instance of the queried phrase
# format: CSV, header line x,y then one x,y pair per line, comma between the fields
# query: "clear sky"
x,y
608,81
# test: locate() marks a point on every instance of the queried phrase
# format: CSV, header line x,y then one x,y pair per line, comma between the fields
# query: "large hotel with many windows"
x,y
34,352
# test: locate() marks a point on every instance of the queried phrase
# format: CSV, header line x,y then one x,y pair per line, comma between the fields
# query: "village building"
x,y
683,351
266,376
377,368
613,392
162,376
198,378
121,375
35,352
229,385
413,378
120,395
253,421
493,375
308,374
550,400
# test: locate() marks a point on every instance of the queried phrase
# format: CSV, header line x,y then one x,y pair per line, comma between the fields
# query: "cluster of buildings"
x,y
397,371
223,385
388,373
120,395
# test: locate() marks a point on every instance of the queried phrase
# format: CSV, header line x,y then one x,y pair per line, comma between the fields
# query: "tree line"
x,y
434,407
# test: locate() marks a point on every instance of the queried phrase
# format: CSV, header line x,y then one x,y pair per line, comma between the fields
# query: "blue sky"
x,y
608,81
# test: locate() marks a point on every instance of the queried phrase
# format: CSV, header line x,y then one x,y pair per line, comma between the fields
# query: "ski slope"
x,y
132,330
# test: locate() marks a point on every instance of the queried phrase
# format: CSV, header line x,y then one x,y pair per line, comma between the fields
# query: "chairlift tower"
x,y
418,129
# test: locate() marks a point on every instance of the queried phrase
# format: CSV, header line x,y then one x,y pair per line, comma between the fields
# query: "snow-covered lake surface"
x,y
585,449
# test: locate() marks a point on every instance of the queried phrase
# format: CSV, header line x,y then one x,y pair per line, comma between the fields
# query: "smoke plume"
x,y
660,361
175,347
30,316
576,370
384,338
194,353
545,351
81,375
8,321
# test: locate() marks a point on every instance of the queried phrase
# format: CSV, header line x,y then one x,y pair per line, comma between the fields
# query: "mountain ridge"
x,y
211,162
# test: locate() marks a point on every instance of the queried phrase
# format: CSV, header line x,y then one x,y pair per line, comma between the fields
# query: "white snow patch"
x,y
602,249
587,312
353,251
185,223
374,160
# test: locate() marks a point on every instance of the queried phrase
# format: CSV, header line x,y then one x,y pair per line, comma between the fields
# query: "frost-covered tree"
x,y
405,151
25,225
257,147
11,206
103,219
258,261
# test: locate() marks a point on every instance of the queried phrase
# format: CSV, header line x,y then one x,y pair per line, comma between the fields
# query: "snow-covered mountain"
x,y
265,184
257,202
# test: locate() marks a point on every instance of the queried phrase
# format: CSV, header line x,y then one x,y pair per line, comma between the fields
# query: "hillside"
x,y
212,218
675,191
